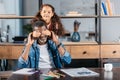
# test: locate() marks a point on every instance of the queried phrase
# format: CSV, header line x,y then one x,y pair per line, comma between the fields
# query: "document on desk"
x,y
25,71
79,72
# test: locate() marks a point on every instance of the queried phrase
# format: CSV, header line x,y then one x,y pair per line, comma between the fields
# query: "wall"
x,y
30,8
13,23
19,8
110,29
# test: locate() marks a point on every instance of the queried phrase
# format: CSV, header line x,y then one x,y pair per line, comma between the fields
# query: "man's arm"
x,y
65,55
23,59
58,44
27,47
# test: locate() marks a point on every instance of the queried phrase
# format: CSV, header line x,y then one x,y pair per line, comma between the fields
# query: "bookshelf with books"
x,y
109,32
110,8
109,23
106,8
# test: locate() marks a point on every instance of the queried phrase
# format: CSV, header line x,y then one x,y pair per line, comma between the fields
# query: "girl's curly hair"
x,y
55,20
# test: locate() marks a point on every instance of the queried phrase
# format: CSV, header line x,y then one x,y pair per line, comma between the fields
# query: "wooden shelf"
x,y
83,16
29,17
15,17
107,16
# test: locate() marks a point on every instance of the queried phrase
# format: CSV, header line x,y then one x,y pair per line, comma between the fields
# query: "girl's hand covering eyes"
x,y
47,32
36,34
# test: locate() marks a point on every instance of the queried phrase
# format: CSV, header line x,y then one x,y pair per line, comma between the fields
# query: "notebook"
x,y
79,72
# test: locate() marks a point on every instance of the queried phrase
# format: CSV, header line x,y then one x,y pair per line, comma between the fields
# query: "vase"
x,y
76,36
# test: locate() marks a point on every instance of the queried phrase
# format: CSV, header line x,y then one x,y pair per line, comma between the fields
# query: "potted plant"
x,y
27,29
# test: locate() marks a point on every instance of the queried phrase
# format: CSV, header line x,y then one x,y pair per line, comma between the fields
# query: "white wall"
x,y
14,24
19,8
110,29
30,8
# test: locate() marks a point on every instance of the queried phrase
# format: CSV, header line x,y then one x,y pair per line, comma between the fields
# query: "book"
x,y
104,8
109,7
113,8
79,72
102,12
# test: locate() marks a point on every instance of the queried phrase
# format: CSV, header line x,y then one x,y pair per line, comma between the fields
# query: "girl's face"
x,y
47,14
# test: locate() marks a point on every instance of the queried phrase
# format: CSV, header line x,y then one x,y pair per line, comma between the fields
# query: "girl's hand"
x,y
36,34
47,33
54,37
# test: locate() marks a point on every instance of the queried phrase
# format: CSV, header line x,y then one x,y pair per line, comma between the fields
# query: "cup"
x,y
108,75
108,67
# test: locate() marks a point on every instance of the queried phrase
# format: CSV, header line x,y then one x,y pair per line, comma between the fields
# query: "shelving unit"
x,y
15,17
63,17
109,28
26,17
109,24
98,18
83,16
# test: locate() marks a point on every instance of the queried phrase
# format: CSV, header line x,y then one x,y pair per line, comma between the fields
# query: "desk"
x,y
114,75
79,50
84,50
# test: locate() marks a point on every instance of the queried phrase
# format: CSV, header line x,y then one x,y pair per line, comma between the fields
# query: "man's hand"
x,y
30,39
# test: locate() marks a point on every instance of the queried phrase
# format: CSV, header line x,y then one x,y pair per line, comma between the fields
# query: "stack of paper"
x,y
79,72
25,71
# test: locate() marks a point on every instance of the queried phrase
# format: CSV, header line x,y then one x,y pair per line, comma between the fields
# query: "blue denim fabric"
x,y
33,58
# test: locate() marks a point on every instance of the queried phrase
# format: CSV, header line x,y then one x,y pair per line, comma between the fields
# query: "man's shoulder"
x,y
50,41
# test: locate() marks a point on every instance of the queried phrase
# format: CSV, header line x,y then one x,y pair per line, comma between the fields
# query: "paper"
x,y
79,72
25,71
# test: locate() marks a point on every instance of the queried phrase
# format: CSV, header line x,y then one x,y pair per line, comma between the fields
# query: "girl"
x,y
47,13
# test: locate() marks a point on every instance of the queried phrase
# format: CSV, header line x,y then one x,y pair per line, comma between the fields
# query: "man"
x,y
43,49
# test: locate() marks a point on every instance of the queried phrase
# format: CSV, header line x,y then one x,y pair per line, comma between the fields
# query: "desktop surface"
x,y
103,75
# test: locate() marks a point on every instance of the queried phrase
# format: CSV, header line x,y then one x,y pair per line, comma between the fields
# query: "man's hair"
x,y
39,23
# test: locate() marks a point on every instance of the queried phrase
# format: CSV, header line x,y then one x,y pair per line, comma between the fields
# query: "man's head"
x,y
38,31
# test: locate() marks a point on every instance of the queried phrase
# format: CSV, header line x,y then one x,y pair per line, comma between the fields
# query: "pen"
x,y
83,72
35,70
56,73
